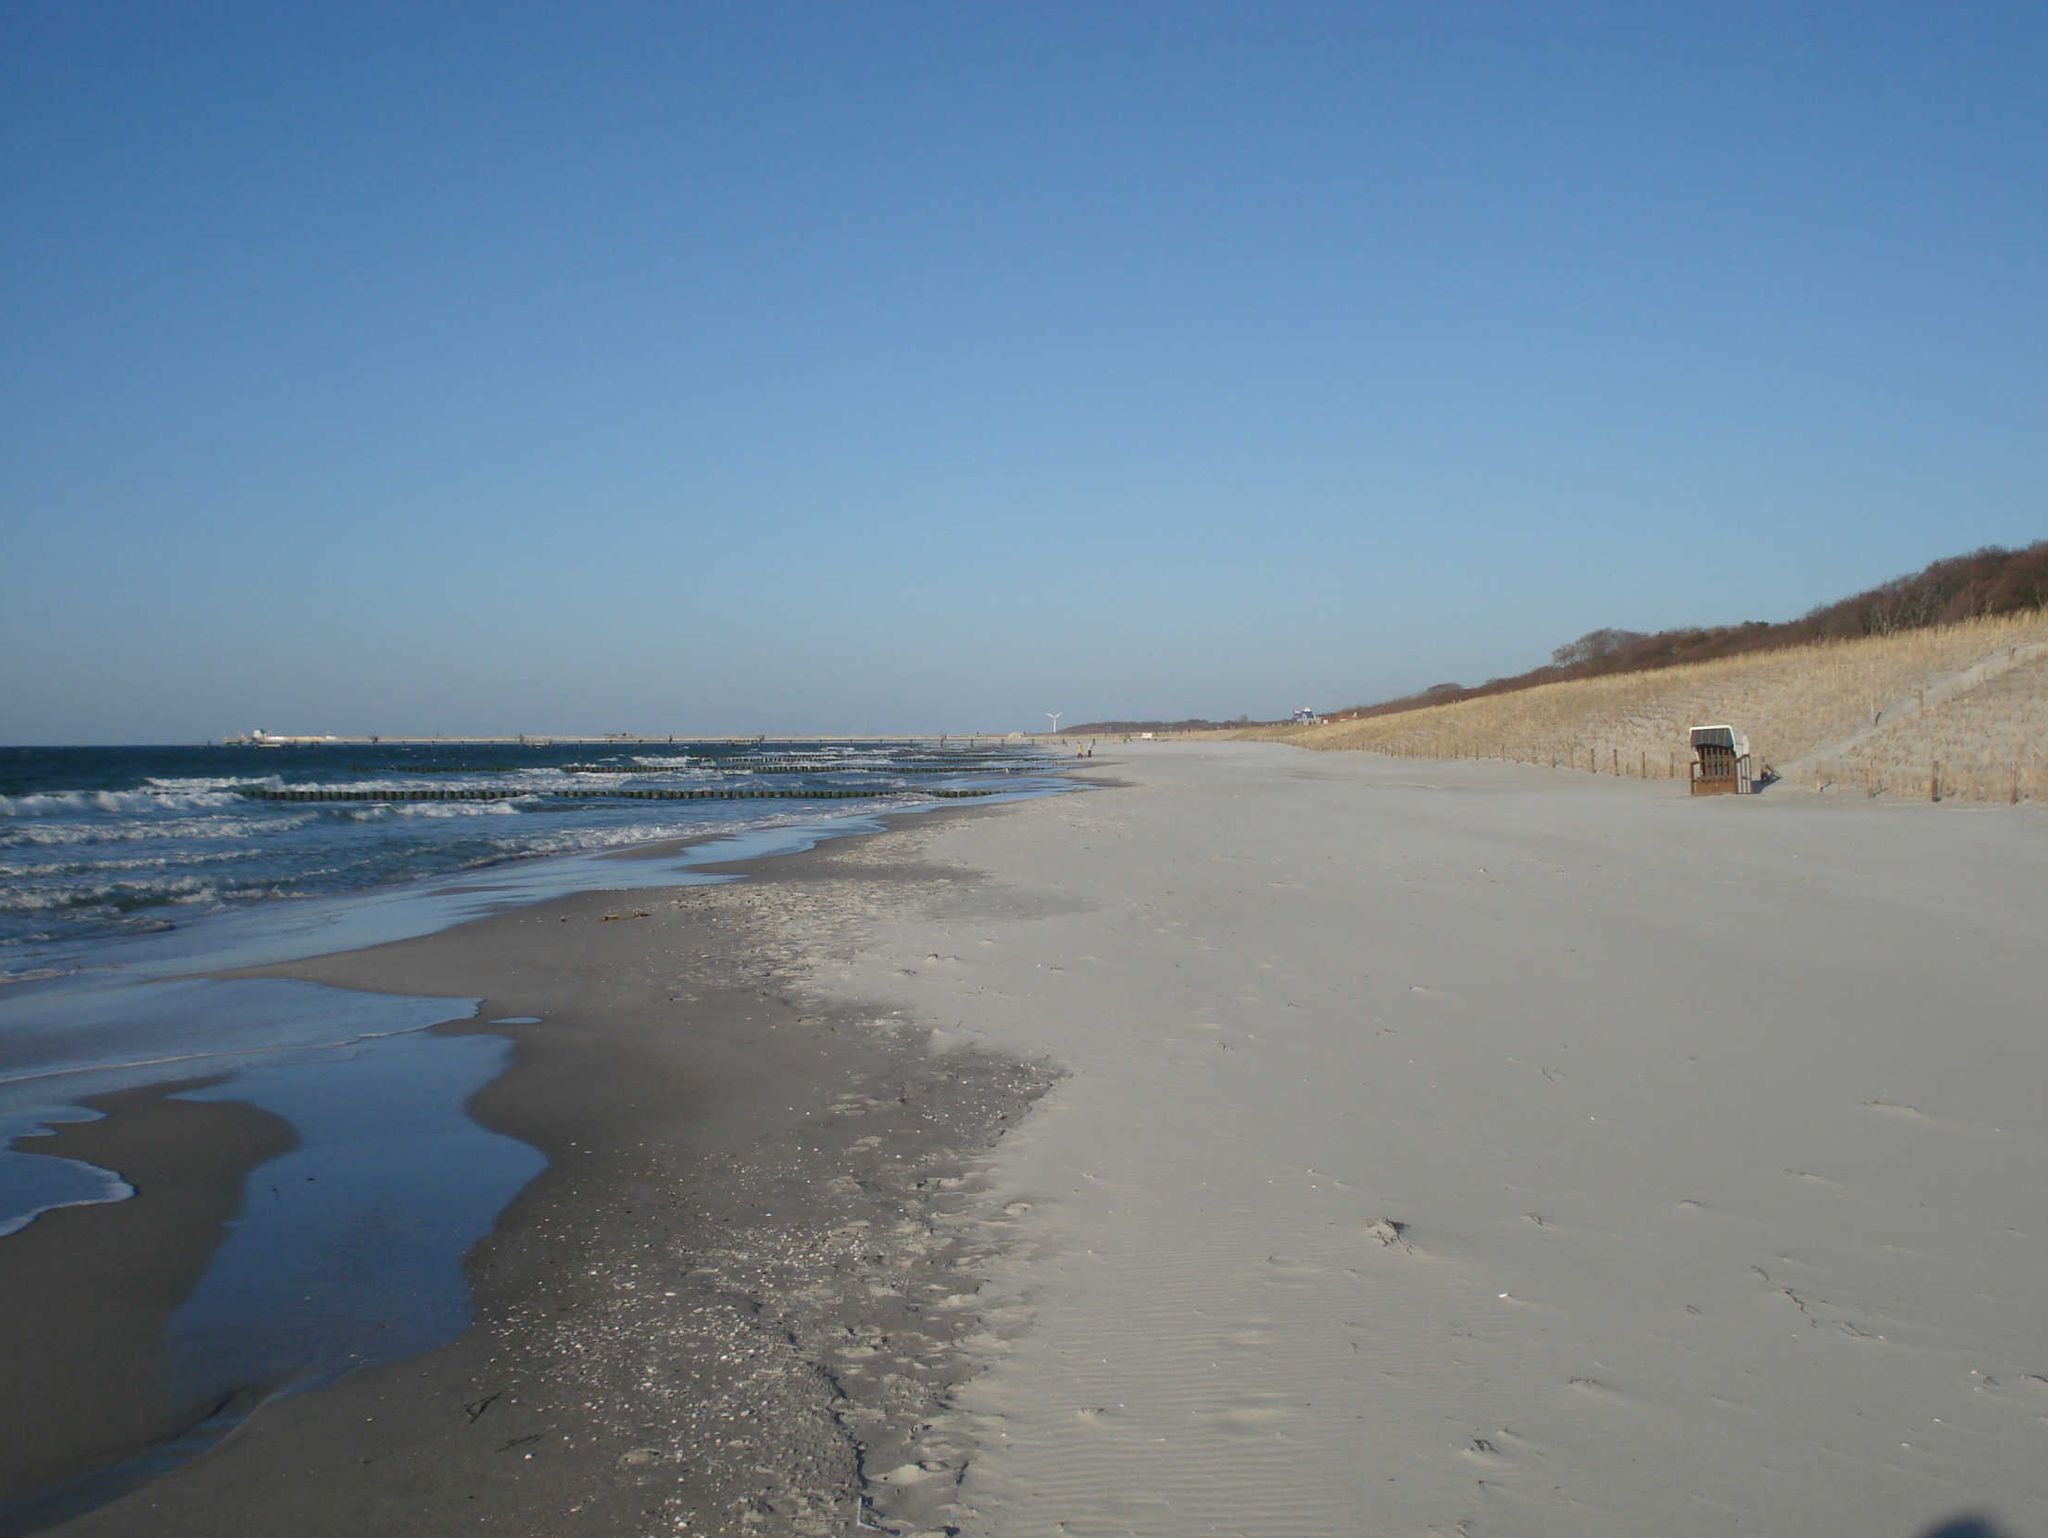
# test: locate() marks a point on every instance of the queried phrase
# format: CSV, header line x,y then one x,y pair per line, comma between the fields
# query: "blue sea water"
x,y
98,842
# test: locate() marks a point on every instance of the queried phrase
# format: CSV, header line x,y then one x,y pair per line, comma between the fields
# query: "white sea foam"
x,y
116,895
591,840
37,974
48,803
46,870
379,811
111,1188
524,784
209,782
23,834
584,840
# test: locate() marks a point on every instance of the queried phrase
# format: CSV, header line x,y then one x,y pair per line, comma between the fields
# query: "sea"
x,y
129,876
103,842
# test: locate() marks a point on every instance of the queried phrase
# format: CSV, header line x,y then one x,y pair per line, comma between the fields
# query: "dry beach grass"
x,y
1876,715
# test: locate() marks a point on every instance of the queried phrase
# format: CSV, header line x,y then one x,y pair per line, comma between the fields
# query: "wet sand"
x,y
728,1303
86,1293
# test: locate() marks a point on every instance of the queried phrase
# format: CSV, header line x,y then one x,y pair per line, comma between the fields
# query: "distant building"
x,y
259,738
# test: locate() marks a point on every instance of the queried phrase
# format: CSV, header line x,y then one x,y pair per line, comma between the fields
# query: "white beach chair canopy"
x,y
1720,737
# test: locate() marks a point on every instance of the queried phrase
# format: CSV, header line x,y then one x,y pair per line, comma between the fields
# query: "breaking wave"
x,y
46,834
122,896
57,803
379,811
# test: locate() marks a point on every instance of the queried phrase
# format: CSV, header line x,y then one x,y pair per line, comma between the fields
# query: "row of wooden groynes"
x,y
758,766
842,768
265,793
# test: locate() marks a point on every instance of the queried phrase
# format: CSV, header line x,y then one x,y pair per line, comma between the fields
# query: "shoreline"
x,y
688,1112
1452,1148
132,857
83,1026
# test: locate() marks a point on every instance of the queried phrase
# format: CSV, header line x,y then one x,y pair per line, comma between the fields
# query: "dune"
x,y
1963,706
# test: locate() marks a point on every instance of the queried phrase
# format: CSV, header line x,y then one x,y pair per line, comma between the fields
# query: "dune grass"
x,y
1960,707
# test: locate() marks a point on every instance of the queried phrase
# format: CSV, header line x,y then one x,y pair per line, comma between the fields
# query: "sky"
x,y
722,367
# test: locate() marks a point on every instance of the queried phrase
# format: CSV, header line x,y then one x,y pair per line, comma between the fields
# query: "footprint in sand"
x,y
1900,1110
1249,1419
1495,1450
915,1473
1289,1265
1808,1177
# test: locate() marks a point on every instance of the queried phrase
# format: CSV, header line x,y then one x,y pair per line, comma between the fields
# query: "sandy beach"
x,y
1263,1143
1469,1149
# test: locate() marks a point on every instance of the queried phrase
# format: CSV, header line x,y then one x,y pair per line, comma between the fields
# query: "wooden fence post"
x,y
1934,782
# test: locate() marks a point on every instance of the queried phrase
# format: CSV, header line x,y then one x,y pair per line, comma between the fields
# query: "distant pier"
x,y
263,739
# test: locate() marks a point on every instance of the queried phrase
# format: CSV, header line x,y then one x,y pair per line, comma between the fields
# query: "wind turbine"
x,y
1054,717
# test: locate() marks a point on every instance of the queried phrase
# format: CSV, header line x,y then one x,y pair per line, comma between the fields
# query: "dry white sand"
x,y
1717,1128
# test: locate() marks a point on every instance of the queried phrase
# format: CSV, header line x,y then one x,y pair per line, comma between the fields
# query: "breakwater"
x,y
620,793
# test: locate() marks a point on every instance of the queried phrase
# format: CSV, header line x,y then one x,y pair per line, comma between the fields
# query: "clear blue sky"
x,y
474,367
